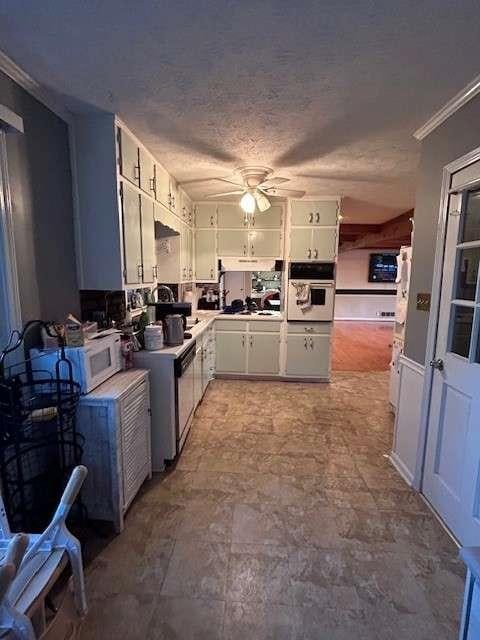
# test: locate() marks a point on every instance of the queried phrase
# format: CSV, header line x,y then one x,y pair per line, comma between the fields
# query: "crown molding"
x,y
43,95
452,106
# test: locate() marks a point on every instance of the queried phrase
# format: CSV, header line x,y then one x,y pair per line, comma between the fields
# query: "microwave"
x,y
92,364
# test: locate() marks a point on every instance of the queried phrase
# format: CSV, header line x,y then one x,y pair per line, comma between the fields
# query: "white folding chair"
x,y
30,569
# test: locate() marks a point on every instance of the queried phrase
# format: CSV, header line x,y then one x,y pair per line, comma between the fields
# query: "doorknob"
x,y
437,364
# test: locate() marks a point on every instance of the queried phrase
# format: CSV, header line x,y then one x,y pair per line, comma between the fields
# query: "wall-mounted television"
x,y
383,267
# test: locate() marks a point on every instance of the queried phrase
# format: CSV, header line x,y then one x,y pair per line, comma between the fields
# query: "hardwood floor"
x,y
361,346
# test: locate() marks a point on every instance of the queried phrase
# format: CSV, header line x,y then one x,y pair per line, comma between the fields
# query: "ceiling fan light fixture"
x,y
248,203
263,203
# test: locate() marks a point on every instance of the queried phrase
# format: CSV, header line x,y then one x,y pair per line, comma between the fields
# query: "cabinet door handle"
x,y
139,271
211,273
309,253
243,341
310,218
244,249
152,184
136,172
253,250
311,343
316,253
251,341
211,221
155,272
305,344
317,217
252,222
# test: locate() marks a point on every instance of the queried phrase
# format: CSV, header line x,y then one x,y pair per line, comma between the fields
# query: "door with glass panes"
x,y
452,465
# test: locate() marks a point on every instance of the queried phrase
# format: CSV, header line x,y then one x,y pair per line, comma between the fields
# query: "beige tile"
x,y
259,621
259,573
186,618
197,570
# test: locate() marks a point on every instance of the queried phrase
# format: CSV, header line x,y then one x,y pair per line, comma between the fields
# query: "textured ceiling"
x,y
326,93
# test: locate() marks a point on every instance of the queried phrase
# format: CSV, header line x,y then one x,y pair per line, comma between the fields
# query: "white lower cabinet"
x,y
308,356
231,352
264,353
248,351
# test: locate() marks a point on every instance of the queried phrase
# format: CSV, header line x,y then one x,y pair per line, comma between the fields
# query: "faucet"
x,y
167,290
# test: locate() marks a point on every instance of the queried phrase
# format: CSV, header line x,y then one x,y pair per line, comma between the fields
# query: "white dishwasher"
x,y
184,393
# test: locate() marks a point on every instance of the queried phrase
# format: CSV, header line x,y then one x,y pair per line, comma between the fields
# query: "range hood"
x,y
251,264
164,231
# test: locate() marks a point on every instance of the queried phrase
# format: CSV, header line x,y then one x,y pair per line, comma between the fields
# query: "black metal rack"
x,y
39,443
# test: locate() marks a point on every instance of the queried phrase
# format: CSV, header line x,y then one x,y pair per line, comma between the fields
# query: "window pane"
x,y
462,320
467,273
471,225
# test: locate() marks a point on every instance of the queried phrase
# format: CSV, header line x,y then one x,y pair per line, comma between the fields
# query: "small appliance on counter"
x,y
93,363
174,328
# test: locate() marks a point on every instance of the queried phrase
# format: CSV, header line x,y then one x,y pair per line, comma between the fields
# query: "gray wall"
x,y
456,137
41,188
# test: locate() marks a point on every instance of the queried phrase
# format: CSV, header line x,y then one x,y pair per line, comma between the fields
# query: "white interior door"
x,y
452,465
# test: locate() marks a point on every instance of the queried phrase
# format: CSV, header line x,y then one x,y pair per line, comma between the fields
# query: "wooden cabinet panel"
x,y
230,352
132,243
320,213
205,215
230,216
129,159
263,353
232,243
265,243
148,240
205,255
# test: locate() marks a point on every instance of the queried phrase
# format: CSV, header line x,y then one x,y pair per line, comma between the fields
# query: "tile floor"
x,y
282,520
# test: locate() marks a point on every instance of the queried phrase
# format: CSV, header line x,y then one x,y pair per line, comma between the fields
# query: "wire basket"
x,y
39,443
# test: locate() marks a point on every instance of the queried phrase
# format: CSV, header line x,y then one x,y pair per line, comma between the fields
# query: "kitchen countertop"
x,y
206,318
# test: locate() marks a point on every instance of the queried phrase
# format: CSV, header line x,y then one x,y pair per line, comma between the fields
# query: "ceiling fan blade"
x,y
272,182
263,203
200,180
226,193
286,193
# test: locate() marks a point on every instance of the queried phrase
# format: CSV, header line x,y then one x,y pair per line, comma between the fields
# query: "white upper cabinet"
x,y
186,207
148,240
162,186
322,213
270,219
264,243
313,244
129,157
232,243
132,242
231,216
205,215
147,173
174,197
205,255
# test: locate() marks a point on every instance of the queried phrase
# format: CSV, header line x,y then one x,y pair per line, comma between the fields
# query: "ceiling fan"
x,y
256,185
